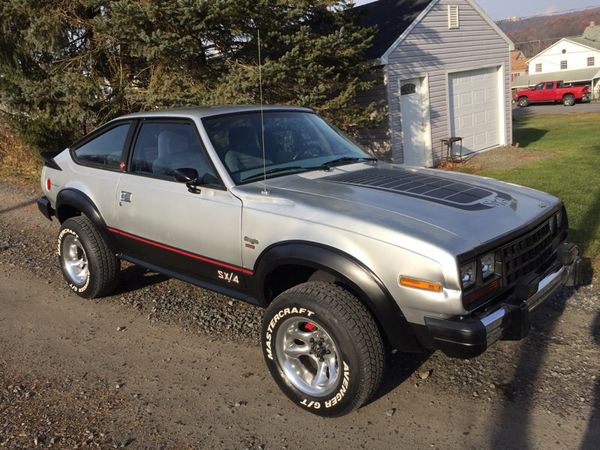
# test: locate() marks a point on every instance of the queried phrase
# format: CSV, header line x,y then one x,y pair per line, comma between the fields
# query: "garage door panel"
x,y
474,108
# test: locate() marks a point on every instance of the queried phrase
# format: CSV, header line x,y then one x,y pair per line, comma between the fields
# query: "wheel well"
x,y
285,277
289,275
65,212
568,94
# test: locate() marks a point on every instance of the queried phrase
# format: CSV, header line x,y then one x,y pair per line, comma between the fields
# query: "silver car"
x,y
350,256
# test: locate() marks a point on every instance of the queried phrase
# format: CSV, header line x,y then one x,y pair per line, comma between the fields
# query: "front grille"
x,y
531,253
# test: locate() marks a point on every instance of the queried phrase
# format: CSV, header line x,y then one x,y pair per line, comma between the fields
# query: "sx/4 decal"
x,y
230,277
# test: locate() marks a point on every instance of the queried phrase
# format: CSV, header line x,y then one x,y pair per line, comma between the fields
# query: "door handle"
x,y
124,197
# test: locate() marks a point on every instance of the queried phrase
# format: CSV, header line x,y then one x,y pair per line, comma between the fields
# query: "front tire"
x,y
523,102
323,348
87,264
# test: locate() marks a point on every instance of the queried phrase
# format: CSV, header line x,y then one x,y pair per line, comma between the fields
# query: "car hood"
x,y
449,209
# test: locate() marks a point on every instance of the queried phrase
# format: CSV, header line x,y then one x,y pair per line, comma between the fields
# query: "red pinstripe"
x,y
182,252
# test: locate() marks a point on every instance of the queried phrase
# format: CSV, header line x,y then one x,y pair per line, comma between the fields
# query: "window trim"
x,y
97,133
173,120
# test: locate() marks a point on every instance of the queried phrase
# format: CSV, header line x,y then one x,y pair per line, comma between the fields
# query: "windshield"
x,y
295,141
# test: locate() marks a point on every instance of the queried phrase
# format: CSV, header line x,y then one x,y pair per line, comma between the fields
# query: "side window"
x,y
161,148
549,85
106,149
539,86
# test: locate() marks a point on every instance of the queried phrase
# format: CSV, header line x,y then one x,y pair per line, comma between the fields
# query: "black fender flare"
x,y
351,272
76,199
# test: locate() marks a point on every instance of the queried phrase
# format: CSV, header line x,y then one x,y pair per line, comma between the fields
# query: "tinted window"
x,y
549,85
161,148
105,149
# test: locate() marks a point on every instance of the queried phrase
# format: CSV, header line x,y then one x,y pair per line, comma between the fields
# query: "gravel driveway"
x,y
162,363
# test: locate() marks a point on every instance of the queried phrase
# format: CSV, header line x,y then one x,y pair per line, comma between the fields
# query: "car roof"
x,y
207,111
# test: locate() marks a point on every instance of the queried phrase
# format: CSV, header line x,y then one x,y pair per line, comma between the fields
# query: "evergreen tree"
x,y
68,65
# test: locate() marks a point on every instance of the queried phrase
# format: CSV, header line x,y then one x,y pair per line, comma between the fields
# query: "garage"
x,y
475,108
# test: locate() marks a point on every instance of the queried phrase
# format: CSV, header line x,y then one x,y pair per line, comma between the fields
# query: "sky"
x,y
507,8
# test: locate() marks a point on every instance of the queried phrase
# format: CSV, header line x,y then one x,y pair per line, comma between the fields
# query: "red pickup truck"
x,y
552,91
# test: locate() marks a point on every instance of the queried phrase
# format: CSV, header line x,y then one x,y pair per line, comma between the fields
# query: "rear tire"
x,y
88,265
523,102
568,100
323,348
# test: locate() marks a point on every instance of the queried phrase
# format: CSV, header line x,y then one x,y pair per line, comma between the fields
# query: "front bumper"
x,y
470,337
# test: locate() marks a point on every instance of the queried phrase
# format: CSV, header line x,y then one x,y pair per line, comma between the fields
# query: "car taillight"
x,y
48,183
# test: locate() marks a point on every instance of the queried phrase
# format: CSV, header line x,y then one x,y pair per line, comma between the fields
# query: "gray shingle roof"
x,y
391,18
590,37
568,76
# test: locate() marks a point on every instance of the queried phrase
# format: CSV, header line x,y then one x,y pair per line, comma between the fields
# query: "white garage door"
x,y
474,108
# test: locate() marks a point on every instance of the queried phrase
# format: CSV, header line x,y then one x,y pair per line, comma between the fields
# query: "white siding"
x,y
576,56
433,50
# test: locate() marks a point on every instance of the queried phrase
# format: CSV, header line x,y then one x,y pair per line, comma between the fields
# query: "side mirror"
x,y
189,177
185,175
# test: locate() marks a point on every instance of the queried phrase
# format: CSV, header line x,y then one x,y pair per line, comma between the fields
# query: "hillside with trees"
x,y
531,35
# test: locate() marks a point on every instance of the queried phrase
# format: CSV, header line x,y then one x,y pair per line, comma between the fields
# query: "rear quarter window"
x,y
104,150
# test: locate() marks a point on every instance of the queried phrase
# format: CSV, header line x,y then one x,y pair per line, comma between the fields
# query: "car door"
x,y
548,93
161,223
537,93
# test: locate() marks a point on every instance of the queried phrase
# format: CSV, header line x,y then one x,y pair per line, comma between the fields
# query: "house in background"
x,y
572,59
444,72
518,64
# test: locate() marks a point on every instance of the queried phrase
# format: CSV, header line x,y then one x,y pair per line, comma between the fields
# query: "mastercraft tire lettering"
x,y
89,267
323,348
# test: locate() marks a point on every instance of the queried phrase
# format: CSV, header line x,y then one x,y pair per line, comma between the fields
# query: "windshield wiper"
x,y
258,176
325,166
348,159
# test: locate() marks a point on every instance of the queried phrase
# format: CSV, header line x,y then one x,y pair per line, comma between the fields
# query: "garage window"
x,y
591,61
408,88
563,65
538,67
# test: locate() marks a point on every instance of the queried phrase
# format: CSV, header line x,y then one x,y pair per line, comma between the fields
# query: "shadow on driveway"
x,y
18,206
591,441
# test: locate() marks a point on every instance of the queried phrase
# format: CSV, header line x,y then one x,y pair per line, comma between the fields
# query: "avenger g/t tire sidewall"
x,y
103,266
355,335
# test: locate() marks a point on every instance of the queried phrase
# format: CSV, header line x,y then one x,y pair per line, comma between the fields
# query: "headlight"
x,y
488,265
468,274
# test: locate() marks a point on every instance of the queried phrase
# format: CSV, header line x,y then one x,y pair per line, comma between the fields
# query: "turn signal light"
x,y
415,283
48,184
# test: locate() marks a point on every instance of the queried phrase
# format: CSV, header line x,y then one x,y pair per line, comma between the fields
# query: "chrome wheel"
x,y
308,356
75,260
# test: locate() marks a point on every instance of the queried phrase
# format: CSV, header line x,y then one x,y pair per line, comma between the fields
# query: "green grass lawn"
x,y
573,174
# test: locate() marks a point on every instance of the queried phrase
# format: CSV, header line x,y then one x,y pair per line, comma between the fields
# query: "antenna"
x,y
264,191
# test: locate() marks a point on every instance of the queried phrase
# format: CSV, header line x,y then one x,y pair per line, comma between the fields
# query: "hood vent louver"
x,y
434,188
